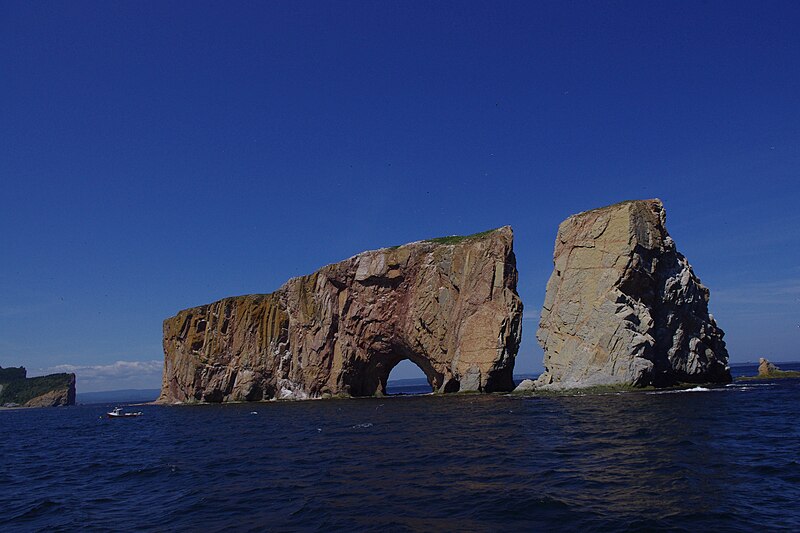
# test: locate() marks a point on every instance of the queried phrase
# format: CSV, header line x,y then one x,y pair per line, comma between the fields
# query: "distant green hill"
x,y
12,374
42,391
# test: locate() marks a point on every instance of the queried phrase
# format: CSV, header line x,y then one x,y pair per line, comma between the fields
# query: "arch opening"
x,y
407,379
371,379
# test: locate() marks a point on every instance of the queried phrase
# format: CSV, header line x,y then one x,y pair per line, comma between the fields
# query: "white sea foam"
x,y
694,389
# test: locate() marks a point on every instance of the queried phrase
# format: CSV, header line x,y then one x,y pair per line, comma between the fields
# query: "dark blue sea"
x,y
726,458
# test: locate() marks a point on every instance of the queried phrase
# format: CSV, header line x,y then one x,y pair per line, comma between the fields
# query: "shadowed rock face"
x,y
624,307
449,305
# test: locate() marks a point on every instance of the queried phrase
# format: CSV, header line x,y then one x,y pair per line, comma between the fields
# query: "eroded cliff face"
x,y
450,305
624,307
60,396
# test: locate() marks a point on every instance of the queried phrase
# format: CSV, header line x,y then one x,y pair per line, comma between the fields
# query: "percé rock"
x,y
450,305
53,390
623,306
765,368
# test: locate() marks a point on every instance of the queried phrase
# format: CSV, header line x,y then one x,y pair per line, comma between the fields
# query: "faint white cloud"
x,y
114,376
780,292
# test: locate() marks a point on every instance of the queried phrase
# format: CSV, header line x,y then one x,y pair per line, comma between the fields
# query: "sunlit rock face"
x,y
623,306
766,368
449,305
59,396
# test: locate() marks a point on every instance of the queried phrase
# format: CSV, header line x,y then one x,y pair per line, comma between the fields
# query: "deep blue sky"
x,y
160,155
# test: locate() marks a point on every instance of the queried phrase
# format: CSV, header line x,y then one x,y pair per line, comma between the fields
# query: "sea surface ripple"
x,y
724,458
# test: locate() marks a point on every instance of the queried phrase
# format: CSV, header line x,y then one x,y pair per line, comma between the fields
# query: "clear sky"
x,y
161,155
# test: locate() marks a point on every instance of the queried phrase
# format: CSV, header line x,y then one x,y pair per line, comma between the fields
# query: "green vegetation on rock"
x,y
597,390
775,374
767,370
21,391
11,374
593,390
455,239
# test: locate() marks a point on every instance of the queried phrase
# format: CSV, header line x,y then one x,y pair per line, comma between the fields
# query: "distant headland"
x,y
18,390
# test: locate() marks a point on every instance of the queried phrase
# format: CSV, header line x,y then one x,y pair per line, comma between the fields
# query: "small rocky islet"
x,y
623,308
768,370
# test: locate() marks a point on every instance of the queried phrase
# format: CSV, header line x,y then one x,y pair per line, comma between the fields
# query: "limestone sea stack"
x,y
623,306
450,305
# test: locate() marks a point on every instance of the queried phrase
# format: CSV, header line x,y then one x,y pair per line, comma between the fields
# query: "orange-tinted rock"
x,y
765,368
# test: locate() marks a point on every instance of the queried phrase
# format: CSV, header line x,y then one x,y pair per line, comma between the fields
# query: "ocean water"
x,y
723,458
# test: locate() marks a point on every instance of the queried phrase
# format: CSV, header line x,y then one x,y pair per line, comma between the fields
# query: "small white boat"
x,y
117,413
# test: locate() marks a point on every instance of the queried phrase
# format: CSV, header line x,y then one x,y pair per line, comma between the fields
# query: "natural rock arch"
x,y
450,305
372,379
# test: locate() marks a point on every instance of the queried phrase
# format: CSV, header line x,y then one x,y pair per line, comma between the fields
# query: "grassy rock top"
x,y
456,239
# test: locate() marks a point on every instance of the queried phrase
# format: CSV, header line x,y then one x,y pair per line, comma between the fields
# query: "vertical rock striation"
x,y
623,306
449,305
